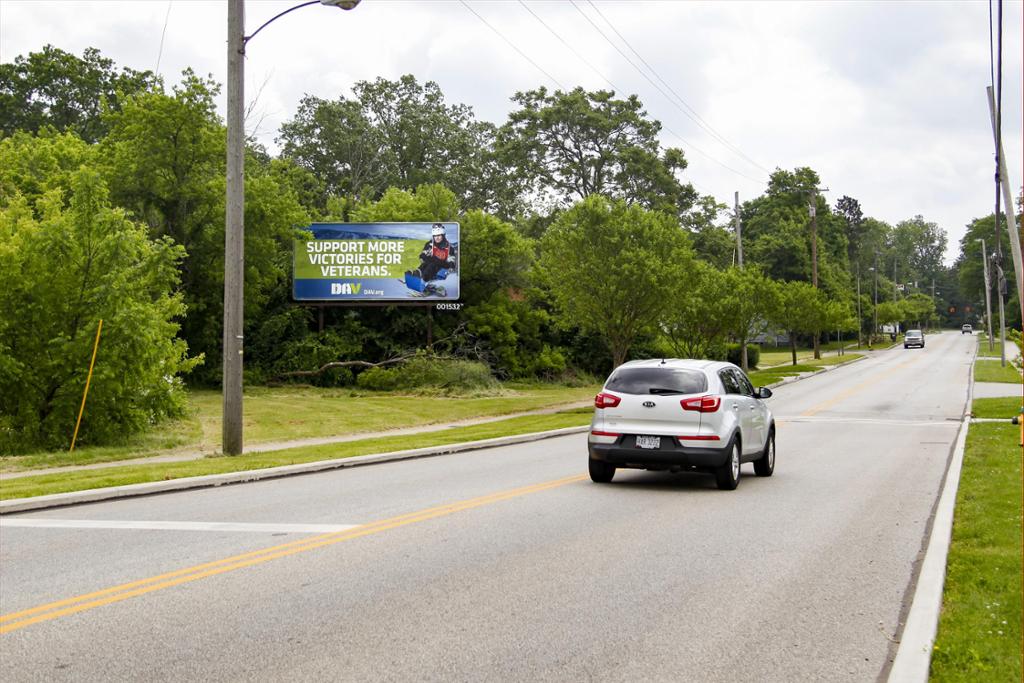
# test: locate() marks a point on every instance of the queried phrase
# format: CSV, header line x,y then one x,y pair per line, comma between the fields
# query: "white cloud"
x,y
885,100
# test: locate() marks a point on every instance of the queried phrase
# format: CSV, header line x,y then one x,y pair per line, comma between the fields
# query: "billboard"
x,y
377,262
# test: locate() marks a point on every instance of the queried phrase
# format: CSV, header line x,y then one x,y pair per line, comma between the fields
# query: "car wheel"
x,y
728,475
765,465
601,472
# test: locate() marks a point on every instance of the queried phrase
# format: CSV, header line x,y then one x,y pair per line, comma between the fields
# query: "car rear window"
x,y
913,333
657,381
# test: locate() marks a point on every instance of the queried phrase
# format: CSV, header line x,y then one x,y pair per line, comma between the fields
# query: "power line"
x,y
659,89
695,117
571,48
160,52
513,46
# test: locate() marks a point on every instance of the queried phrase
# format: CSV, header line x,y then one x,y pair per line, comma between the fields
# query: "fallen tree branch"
x,y
343,364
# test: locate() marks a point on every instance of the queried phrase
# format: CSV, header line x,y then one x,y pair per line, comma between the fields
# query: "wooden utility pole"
x,y
744,363
234,233
813,210
739,235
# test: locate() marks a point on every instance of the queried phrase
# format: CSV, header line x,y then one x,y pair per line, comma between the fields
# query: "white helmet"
x,y
438,229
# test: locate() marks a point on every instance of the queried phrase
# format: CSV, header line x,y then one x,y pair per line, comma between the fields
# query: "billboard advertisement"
x,y
377,262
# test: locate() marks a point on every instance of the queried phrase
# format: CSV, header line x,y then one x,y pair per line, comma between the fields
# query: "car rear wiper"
x,y
664,391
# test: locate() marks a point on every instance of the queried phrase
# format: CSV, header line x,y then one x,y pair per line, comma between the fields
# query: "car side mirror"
x,y
763,392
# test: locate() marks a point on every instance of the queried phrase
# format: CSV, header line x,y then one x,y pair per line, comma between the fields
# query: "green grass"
x,y
282,414
995,353
38,485
996,407
979,630
993,371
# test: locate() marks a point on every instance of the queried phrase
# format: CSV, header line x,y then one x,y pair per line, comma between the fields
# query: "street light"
x,y
234,229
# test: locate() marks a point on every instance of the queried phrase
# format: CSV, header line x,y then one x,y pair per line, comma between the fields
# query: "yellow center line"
x,y
870,381
54,610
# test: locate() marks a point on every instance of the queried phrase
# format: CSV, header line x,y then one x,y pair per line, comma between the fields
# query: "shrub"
x,y
753,354
428,372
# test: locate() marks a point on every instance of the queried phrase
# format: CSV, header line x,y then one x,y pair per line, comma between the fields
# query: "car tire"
x,y
728,475
765,465
600,471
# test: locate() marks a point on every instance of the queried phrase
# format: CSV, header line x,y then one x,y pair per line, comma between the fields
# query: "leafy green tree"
x,y
32,165
59,275
56,88
576,144
918,308
164,160
777,232
393,134
753,299
800,311
612,268
697,323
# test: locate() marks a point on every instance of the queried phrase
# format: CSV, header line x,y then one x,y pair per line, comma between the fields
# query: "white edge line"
x,y
914,654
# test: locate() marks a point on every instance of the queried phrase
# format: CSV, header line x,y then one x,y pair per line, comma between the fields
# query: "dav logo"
x,y
346,287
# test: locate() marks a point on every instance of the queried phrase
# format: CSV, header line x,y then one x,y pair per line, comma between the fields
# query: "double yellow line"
x,y
81,603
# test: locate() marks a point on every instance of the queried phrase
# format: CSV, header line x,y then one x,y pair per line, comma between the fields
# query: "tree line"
x,y
583,243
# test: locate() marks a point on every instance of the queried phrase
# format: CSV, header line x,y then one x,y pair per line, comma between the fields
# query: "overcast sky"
x,y
885,100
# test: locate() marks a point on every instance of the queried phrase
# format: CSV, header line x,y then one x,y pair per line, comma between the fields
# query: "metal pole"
x,y
1008,208
875,269
860,317
234,232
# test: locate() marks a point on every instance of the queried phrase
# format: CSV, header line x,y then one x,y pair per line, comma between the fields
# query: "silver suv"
x,y
681,415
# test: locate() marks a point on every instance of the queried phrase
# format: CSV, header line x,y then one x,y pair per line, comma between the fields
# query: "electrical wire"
x,y
696,118
512,45
659,89
570,47
160,52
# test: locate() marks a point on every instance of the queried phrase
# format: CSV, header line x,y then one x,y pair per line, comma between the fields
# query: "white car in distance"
x,y
681,415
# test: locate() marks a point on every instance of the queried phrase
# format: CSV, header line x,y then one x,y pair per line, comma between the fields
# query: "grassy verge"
x,y
979,631
996,407
64,482
993,371
282,414
780,372
985,353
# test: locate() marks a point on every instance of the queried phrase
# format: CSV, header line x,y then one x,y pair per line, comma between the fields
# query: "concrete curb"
x,y
914,654
210,480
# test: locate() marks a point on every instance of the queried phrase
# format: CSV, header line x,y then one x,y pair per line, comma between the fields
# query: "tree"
x,y
849,210
696,323
612,268
56,88
576,144
800,310
752,302
59,275
392,134
164,160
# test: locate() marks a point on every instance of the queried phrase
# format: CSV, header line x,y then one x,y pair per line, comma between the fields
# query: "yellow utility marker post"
x,y
88,379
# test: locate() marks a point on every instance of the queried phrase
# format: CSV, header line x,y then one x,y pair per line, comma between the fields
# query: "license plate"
x,y
648,442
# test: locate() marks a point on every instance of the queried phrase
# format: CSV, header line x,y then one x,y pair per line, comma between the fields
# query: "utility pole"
x,y
875,270
988,295
739,235
1011,216
234,233
744,363
812,209
860,319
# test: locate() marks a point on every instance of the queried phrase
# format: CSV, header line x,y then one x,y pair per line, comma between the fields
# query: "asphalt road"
x,y
509,564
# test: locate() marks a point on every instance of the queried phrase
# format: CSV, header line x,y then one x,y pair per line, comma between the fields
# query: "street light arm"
x,y
246,39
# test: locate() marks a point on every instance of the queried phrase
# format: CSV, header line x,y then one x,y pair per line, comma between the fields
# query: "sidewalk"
x,y
295,443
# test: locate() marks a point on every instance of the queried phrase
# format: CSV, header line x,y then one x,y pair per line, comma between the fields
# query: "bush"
x,y
427,372
753,354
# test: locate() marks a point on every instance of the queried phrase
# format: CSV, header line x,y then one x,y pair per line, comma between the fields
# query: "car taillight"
x,y
702,404
604,400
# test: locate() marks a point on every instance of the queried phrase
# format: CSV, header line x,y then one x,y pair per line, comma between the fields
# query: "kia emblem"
x,y
648,404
